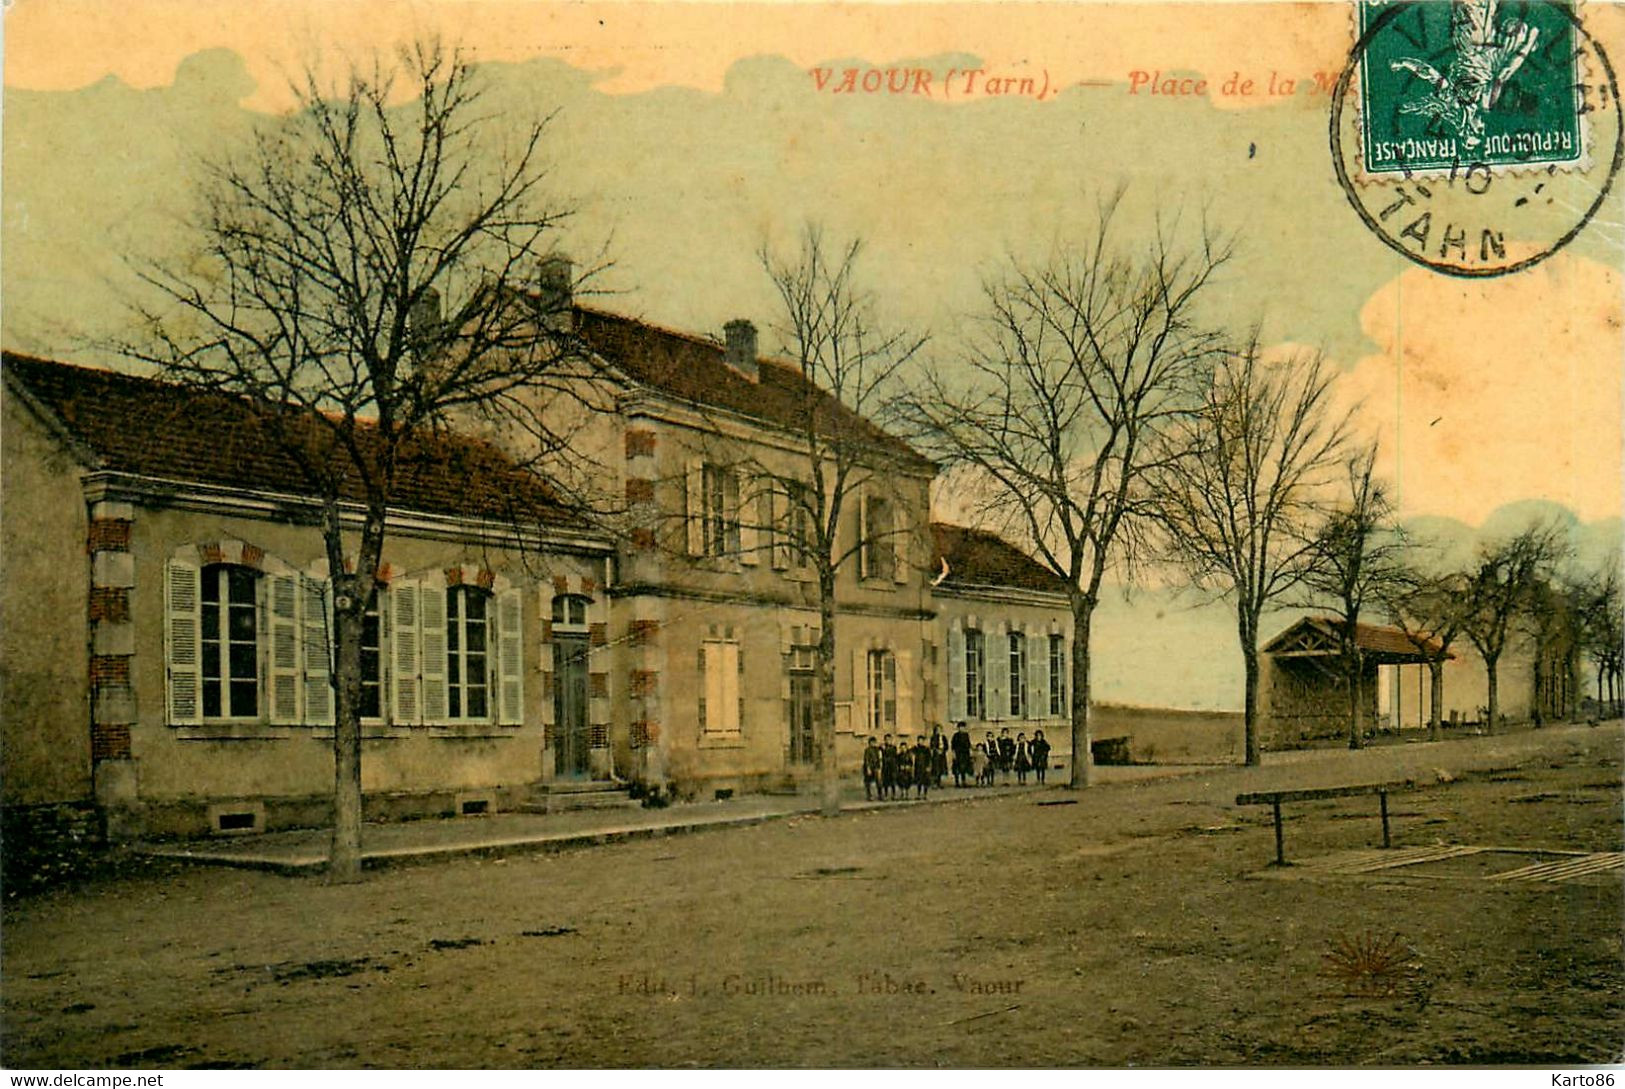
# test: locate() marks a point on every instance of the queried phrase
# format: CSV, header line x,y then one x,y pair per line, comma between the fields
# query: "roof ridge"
x,y
147,426
698,339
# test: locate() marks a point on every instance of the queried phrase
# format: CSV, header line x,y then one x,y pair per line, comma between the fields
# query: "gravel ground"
x,y
1134,924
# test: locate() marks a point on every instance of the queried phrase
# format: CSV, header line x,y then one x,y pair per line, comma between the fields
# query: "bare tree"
x,y
830,329
1082,362
361,276
1602,628
1427,608
1234,496
1498,589
1356,556
1551,620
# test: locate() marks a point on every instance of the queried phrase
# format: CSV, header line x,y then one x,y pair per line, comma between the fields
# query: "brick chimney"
x,y
555,287
741,348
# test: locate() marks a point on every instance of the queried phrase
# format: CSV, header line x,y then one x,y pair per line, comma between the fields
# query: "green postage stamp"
x,y
1446,85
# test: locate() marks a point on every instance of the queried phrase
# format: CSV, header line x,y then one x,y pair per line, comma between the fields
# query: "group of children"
x,y
891,768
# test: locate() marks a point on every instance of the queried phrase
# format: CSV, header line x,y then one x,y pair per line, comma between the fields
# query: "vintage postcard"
x,y
825,535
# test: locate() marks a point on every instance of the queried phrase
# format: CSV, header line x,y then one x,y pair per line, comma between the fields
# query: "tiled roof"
x,y
695,370
976,557
155,429
1377,640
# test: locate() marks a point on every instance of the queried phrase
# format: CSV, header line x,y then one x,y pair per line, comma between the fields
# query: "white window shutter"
x,y
778,498
899,545
730,664
996,652
317,642
863,535
183,642
1038,677
1059,681
406,704
730,484
694,506
510,658
861,722
711,685
906,718
283,591
956,673
749,520
432,658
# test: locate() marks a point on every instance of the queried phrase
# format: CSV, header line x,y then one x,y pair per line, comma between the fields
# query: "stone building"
x,y
166,646
1007,635
716,611
1303,688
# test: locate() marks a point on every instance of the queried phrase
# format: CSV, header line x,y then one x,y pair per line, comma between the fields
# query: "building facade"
x,y
167,640
166,644
1304,690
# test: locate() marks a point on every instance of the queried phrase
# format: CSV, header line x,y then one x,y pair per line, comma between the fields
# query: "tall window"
x,y
230,643
1057,675
720,506
1018,674
975,675
468,678
722,703
882,692
372,674
879,549
794,530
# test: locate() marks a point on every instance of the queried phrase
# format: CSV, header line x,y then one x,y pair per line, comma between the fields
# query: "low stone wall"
x,y
1161,735
44,845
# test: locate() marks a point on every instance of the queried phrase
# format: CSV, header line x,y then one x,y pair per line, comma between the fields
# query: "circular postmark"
x,y
1475,137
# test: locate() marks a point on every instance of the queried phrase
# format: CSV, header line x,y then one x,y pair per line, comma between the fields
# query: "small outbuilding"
x,y
1304,683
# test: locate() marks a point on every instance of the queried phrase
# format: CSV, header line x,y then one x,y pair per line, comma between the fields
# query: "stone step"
x,y
574,786
568,796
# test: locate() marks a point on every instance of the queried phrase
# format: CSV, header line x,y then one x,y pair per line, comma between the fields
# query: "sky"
x,y
686,135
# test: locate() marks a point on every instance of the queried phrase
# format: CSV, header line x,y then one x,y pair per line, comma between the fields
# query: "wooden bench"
x,y
1274,798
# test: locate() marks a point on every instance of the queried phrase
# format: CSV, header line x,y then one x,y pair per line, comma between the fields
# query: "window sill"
x,y
233,731
471,729
733,740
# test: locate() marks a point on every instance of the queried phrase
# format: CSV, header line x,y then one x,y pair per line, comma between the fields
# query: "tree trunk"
x,y
1436,694
351,593
1356,740
1571,685
1494,710
829,773
1538,711
344,860
1083,609
1247,630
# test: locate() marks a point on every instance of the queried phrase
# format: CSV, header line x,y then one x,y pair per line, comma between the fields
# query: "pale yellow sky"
x,y
65,44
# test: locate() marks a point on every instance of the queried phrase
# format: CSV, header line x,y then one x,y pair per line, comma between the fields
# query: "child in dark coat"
x,y
961,746
888,768
1040,749
924,760
871,770
939,755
